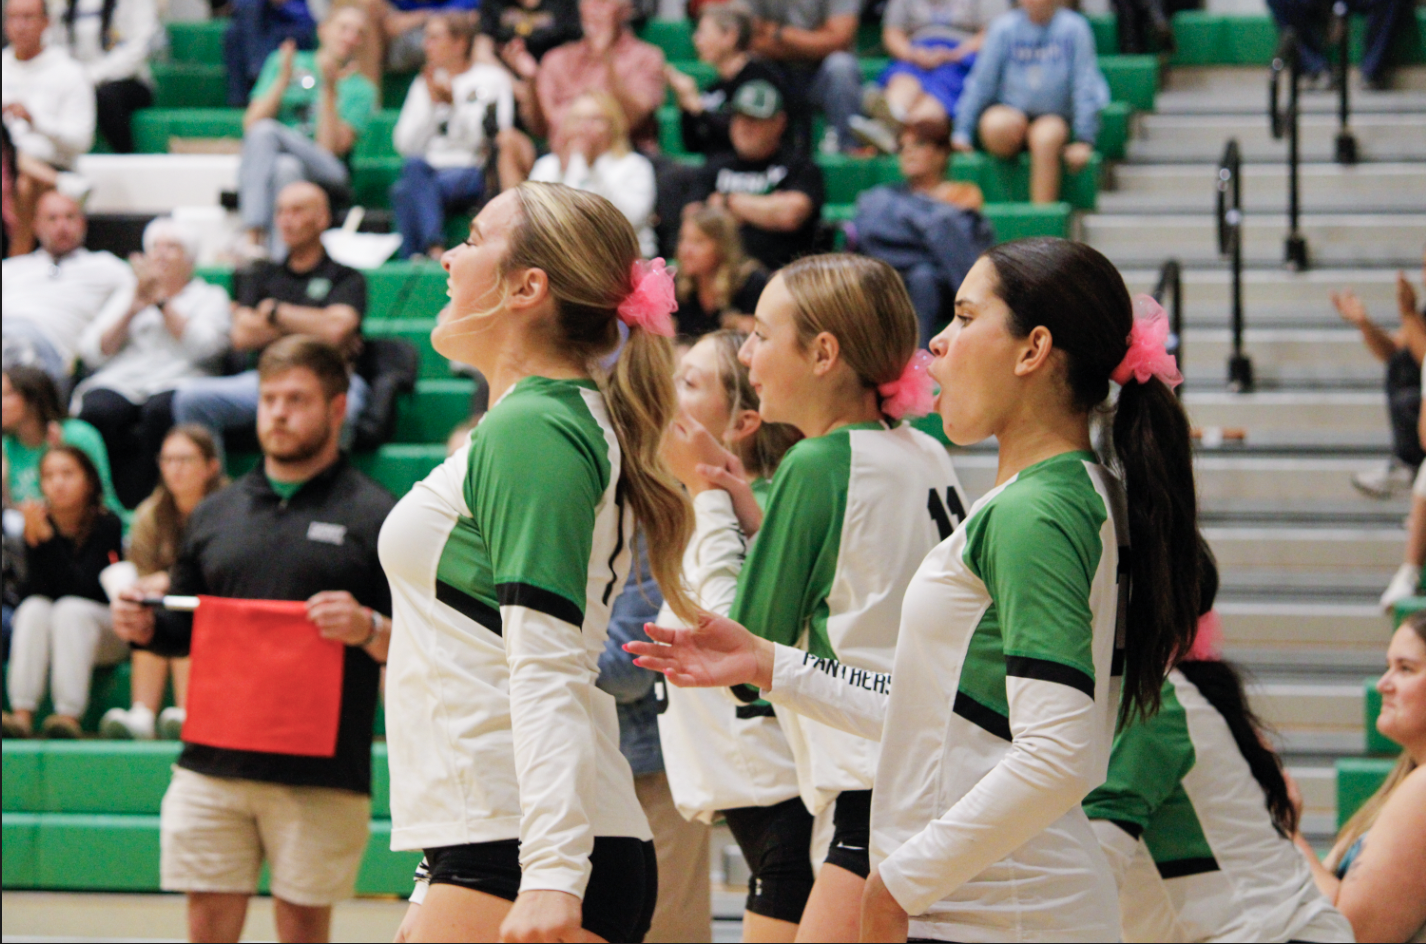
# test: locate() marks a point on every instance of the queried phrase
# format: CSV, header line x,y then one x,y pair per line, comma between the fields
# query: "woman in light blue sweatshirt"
x,y
1036,84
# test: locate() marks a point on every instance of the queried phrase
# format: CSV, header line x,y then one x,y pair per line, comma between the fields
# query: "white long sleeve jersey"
x,y
1001,717
1186,829
503,565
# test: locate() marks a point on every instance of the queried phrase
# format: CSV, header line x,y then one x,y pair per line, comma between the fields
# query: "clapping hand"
x,y
519,58
685,89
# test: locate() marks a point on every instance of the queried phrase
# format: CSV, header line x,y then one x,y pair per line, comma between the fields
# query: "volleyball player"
x,y
852,510
1197,821
1007,673
505,764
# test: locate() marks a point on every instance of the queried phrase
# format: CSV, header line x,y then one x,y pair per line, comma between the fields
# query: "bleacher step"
x,y
1315,717
1284,628
1330,553
1221,89
1307,414
1191,188
1337,239
1195,139
1284,356
1275,296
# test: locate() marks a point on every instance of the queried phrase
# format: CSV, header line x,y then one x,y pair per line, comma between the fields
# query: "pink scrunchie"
x,y
1148,356
1207,640
910,394
653,299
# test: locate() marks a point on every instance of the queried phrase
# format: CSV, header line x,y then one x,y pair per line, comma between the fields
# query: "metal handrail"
x,y
1171,285
1284,122
1346,141
1230,244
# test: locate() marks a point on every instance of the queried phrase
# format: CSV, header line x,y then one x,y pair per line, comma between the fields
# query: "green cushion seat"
x,y
190,85
674,37
1357,779
438,407
376,141
372,178
417,333
1114,130
1106,33
153,127
200,41
20,837
1132,79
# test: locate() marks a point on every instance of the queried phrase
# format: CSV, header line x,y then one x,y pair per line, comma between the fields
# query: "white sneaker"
x,y
170,723
1403,585
870,131
1385,482
134,724
74,186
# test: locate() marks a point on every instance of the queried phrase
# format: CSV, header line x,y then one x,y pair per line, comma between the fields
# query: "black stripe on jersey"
x,y
1046,671
1133,829
540,600
469,607
618,546
747,694
755,710
1180,868
982,717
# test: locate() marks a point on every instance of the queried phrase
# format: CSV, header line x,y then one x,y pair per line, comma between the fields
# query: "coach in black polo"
x,y
303,525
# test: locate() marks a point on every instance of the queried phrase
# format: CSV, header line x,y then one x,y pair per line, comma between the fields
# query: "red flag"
x,y
263,679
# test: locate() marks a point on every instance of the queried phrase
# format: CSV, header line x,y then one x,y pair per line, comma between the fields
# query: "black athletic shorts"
x,y
777,844
618,903
851,832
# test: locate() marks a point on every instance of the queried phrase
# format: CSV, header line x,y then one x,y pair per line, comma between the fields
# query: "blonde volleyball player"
x,y
505,764
852,510
1007,673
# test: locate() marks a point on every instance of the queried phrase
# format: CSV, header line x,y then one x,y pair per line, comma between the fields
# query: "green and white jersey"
x,y
503,564
1186,829
1001,717
849,518
719,752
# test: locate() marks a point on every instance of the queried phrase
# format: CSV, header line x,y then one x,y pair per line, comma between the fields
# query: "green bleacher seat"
x,y
1114,130
1132,79
372,178
674,37
1008,181
872,67
197,42
1224,39
376,141
1406,607
384,872
398,467
190,85
405,290
845,177
1021,220
394,86
1106,33
417,333
1357,779
153,127
23,777
97,852
19,835
1377,743
437,407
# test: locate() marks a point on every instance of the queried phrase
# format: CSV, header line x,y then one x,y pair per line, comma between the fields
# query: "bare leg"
x,y
517,157
1002,130
180,681
452,913
902,93
216,916
301,924
1047,138
927,110
834,909
1416,533
150,674
760,929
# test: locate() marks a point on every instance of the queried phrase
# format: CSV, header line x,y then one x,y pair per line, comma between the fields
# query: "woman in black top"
x,y
63,626
718,285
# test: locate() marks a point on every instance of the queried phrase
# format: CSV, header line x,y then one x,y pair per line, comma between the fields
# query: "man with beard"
x,y
303,525
309,293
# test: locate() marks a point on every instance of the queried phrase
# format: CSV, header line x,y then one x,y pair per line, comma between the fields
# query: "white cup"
x,y
118,577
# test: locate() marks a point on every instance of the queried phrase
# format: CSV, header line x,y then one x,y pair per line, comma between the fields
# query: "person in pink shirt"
x,y
608,59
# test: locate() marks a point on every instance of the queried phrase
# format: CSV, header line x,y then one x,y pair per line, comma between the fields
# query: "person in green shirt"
x,y
307,111
33,422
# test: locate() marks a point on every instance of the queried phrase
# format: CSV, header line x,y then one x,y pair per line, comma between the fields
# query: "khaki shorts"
x,y
216,833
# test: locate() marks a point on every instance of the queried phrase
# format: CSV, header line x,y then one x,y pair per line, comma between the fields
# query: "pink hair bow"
x,y
653,299
909,394
1148,355
1208,640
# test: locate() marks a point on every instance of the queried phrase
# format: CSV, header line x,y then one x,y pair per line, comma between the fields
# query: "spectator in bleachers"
x,y
813,40
929,229
1402,351
594,154
718,285
1309,18
52,295
608,59
308,110
47,104
112,39
1376,871
63,628
516,34
723,38
308,293
770,186
175,328
256,29
398,31
934,43
442,134
8,173
33,421
1143,26
301,526
1035,84
1406,582
190,471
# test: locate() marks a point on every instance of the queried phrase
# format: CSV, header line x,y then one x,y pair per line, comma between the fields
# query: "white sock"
x,y
1403,585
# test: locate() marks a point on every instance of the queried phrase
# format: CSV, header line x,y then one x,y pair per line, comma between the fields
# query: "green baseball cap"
x,y
757,99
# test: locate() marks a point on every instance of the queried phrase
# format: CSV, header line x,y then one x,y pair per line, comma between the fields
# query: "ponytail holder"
x,y
1207,639
652,300
910,394
1148,354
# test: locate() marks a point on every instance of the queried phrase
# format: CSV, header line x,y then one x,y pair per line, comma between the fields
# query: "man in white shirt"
x,y
52,294
47,103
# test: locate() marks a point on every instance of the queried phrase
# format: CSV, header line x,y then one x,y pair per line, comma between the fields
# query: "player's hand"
x,y
544,915
714,654
733,479
133,622
882,918
339,616
689,445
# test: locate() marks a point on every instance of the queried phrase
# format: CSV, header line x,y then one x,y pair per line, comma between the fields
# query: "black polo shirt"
x,y
786,171
246,542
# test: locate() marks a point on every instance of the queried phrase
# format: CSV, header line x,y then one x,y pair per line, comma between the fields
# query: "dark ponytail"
x,y
1078,295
